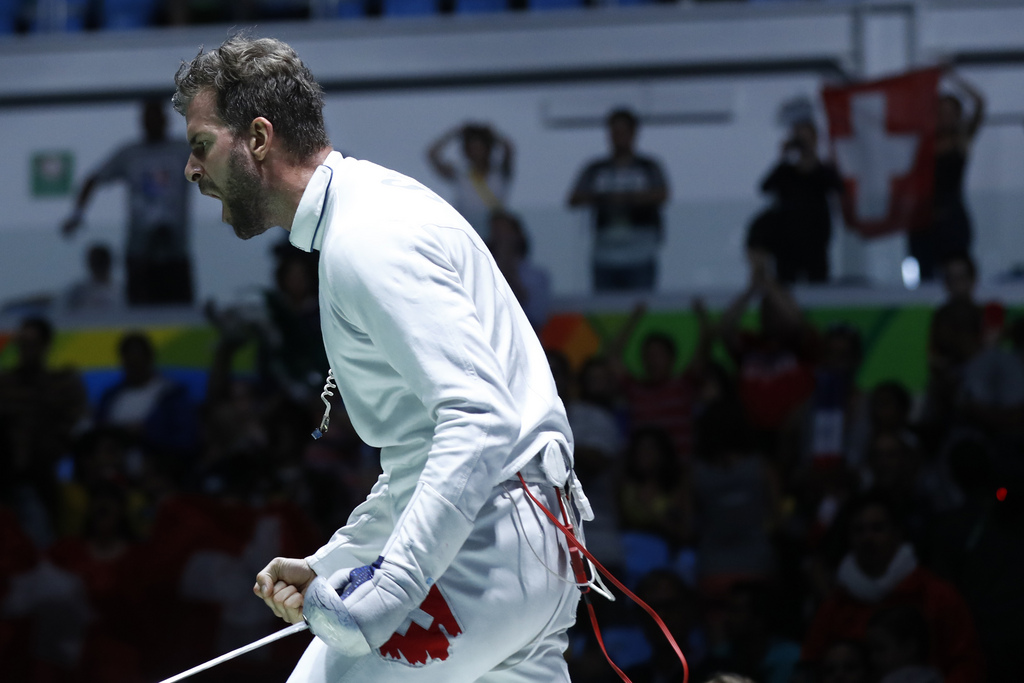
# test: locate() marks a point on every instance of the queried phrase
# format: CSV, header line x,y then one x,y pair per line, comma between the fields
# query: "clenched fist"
x,y
282,584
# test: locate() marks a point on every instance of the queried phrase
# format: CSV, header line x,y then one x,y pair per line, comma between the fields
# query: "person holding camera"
x,y
797,228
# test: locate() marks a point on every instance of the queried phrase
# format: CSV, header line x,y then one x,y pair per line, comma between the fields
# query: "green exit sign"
x,y
52,173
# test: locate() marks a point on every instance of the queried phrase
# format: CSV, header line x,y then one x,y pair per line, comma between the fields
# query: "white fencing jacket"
x,y
436,363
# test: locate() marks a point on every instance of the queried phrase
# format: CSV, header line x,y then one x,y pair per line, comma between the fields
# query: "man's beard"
x,y
244,198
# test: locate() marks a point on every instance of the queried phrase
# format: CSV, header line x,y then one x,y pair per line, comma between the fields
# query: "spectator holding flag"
x,y
949,234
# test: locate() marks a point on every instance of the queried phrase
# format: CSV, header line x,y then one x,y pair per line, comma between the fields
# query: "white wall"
x,y
714,167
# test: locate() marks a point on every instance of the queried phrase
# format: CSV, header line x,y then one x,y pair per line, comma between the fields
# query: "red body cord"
x,y
575,550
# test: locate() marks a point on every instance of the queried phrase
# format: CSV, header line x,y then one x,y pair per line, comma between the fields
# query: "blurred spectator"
x,y
881,570
17,556
889,406
597,408
950,231
675,602
774,363
599,440
980,548
735,501
98,293
960,278
897,638
531,283
887,413
102,457
844,661
339,469
249,525
971,386
158,261
625,192
198,564
237,418
837,406
561,372
41,408
898,471
992,392
662,397
797,228
836,427
292,352
651,488
481,177
155,410
284,321
105,559
751,645
52,605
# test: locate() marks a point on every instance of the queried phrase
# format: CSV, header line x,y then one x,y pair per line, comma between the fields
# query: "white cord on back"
x,y
595,584
329,386
526,537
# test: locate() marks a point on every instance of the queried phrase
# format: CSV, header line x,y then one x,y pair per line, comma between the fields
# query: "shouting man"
x,y
448,571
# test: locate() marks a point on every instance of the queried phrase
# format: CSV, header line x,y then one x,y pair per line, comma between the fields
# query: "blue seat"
x,y
409,8
350,9
480,6
9,10
555,4
47,17
643,553
120,15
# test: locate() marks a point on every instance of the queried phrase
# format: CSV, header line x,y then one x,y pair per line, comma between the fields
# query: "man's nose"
x,y
193,171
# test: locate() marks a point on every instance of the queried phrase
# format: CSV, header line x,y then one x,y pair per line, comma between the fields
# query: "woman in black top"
x,y
949,234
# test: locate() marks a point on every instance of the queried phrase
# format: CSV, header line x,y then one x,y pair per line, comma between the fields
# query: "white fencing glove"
x,y
375,600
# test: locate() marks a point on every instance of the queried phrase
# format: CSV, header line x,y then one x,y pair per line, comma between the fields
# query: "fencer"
x,y
446,572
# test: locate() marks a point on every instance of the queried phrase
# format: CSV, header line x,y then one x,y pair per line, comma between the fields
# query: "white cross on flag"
x,y
883,142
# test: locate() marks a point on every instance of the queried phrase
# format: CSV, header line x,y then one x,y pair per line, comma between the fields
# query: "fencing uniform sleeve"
x,y
402,290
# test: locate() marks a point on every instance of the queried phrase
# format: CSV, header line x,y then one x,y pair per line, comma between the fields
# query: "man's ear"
x,y
261,136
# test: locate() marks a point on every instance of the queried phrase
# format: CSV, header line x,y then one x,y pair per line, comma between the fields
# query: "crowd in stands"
x,y
788,523
624,191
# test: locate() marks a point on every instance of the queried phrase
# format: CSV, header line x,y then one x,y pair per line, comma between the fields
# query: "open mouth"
x,y
207,191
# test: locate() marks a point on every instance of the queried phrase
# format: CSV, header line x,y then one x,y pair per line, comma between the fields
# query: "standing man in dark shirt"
x,y
625,192
802,184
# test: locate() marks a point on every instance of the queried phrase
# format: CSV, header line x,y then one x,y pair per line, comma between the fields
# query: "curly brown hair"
x,y
255,77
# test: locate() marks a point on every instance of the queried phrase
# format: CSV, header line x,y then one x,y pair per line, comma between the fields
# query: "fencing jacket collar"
x,y
309,224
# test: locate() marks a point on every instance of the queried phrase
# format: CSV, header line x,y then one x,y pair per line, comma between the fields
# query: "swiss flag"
x,y
883,142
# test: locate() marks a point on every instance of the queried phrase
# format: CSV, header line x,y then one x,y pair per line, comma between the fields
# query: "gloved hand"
x,y
328,618
376,599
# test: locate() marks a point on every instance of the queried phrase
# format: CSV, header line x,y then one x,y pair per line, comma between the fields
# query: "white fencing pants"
x,y
498,614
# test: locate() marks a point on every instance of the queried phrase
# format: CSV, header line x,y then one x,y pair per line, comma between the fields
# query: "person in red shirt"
x,y
775,364
17,556
660,397
105,560
881,571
